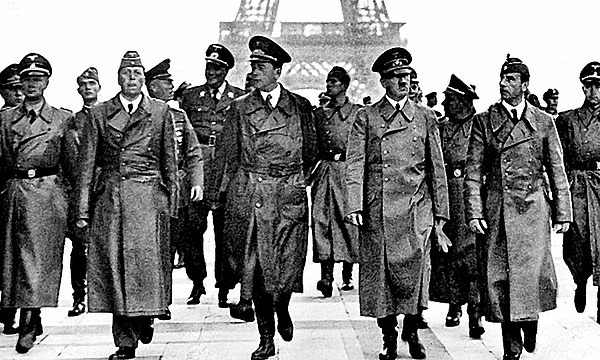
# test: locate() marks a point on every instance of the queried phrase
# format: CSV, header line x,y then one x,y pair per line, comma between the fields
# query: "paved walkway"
x,y
325,329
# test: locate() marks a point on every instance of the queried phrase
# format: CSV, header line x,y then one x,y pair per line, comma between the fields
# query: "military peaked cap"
x,y
9,77
266,50
89,73
34,65
160,71
220,55
396,60
338,72
550,93
458,86
514,65
131,59
431,95
590,72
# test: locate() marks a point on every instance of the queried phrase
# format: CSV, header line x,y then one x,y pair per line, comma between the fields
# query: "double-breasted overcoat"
x,y
127,188
34,210
268,156
396,177
505,185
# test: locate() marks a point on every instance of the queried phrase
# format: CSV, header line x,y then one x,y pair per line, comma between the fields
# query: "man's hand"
x,y
478,226
561,228
197,193
81,223
443,241
355,218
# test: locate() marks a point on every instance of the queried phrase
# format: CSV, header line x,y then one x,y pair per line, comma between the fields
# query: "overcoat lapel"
x,y
523,130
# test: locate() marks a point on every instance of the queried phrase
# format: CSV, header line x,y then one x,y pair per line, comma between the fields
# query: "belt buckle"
x,y
337,157
597,165
31,173
457,173
212,140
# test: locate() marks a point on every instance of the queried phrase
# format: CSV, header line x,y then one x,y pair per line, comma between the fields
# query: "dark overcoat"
x,y
396,177
127,188
34,211
268,156
505,185
333,238
579,132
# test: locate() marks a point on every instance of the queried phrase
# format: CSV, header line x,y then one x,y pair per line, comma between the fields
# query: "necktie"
x,y
130,108
268,103
515,118
214,95
32,116
398,107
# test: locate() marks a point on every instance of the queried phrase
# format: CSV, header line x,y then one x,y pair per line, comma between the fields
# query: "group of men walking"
x,y
457,208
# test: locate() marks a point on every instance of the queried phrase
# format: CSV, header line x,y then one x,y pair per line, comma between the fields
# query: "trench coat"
x,y
452,273
127,188
333,238
268,157
396,178
505,185
579,132
34,211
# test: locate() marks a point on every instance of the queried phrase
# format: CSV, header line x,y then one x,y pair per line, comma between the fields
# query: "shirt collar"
x,y
402,101
520,107
135,102
275,94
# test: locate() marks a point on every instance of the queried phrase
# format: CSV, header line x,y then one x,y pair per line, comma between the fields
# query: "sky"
x,y
468,38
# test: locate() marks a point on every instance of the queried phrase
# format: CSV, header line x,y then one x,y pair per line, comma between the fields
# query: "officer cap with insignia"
x,y
590,73
180,89
89,73
34,65
9,77
160,71
339,73
515,65
394,61
550,93
458,86
431,95
131,59
220,55
264,49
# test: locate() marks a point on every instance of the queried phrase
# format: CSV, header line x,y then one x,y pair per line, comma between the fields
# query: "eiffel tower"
x,y
315,47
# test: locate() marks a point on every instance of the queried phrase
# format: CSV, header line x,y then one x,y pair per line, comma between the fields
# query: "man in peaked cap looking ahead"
x,y
36,166
512,146
454,276
128,181
206,106
394,163
267,150
551,99
579,131
10,86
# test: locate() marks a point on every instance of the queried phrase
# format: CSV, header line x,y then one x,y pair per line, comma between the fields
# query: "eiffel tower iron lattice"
x,y
315,47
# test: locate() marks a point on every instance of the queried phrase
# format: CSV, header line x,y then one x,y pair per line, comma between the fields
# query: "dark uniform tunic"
x,y
207,118
333,238
454,275
579,131
396,177
34,219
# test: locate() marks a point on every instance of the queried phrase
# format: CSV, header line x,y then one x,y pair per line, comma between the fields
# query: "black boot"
x,y
265,319
7,317
78,308
453,316
421,322
223,293
266,348
390,338
475,326
325,285
579,299
411,336
285,326
197,291
242,310
347,277
27,329
530,329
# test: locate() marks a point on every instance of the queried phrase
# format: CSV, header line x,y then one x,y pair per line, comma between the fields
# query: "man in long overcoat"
x,y
512,145
334,240
579,132
127,190
268,148
206,107
37,170
399,198
454,275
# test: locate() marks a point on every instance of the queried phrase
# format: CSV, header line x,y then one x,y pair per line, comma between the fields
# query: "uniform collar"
x,y
402,102
275,94
520,107
126,102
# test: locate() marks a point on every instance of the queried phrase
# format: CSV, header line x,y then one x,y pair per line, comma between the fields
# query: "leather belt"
x,y
209,140
333,155
32,173
274,170
584,166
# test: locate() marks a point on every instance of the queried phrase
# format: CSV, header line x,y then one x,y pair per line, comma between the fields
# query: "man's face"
x,y
265,75
334,87
34,86
12,96
215,74
511,87
161,89
88,89
432,101
591,89
131,80
552,103
396,85
452,104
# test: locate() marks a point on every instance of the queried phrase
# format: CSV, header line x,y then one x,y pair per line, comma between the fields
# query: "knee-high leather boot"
x,y
390,337
265,319
411,336
28,325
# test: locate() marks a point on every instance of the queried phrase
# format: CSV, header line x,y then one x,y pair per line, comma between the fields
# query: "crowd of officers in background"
x,y
448,207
